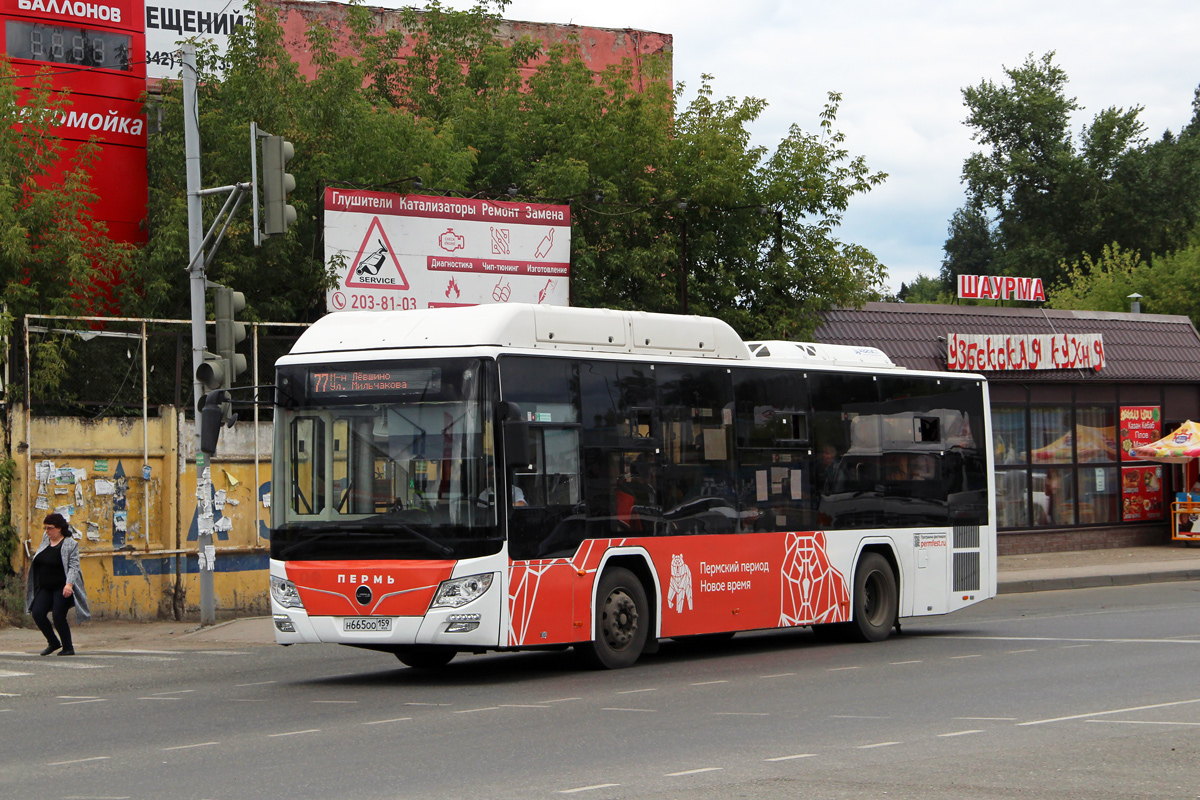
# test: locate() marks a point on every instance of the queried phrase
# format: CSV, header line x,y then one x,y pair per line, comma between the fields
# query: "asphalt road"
x,y
1075,694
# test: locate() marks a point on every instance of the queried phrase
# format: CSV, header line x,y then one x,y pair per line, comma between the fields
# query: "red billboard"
x,y
96,51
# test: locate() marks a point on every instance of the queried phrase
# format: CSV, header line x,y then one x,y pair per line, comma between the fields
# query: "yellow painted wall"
x,y
136,573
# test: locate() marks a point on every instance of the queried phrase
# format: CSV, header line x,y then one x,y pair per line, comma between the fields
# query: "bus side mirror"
x,y
515,434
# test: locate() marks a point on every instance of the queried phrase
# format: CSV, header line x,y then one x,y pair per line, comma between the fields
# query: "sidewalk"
x,y
1028,573
1082,569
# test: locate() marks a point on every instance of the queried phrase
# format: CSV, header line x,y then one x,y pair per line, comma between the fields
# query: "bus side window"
x,y
308,465
774,467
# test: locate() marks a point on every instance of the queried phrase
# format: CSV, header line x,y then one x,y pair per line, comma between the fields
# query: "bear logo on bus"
x,y
681,585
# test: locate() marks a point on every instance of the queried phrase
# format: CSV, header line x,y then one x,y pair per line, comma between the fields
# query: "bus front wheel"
x,y
622,621
425,656
876,601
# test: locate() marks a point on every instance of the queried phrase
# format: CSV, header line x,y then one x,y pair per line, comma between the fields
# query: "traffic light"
x,y
277,214
226,304
221,368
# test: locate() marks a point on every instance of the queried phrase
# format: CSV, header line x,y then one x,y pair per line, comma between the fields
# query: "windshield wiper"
x,y
348,529
395,525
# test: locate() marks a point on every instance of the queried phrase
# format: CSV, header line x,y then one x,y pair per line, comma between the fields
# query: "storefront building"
x,y
1072,393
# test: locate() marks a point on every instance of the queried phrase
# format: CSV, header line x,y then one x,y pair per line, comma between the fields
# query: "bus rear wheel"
x,y
876,600
622,621
425,656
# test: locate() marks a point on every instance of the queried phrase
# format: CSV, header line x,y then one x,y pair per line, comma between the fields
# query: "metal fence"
x,y
95,367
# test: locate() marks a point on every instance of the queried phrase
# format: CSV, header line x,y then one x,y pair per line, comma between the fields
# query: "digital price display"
x,y
55,44
375,381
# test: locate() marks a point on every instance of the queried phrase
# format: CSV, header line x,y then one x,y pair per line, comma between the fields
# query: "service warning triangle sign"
x,y
375,266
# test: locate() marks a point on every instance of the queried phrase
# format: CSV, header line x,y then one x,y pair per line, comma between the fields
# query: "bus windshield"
x,y
382,460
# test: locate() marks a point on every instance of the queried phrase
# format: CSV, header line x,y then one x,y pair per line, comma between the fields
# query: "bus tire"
x,y
876,600
425,656
622,621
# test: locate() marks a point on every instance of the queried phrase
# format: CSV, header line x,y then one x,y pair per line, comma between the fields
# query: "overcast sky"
x,y
901,67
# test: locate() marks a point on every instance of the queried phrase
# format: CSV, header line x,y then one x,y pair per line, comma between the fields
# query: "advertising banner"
x,y
403,252
987,352
169,22
1000,287
1141,493
1140,426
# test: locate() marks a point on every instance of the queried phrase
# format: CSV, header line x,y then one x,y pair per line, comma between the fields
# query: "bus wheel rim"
x,y
619,622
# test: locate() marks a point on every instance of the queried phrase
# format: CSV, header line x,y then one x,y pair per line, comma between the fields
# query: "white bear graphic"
x,y
681,585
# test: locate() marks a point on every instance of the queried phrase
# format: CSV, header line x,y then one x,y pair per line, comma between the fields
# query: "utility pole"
x,y
198,283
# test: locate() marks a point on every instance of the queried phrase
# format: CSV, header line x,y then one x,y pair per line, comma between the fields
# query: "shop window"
x,y
1095,434
1012,498
1053,493
1009,436
1050,429
1099,495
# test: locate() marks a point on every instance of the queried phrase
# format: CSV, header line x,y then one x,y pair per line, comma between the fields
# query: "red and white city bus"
x,y
514,476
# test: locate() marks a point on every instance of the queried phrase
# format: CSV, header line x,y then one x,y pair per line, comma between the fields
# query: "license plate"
x,y
367,624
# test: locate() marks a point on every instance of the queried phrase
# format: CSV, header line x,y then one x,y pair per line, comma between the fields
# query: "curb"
x,y
1093,581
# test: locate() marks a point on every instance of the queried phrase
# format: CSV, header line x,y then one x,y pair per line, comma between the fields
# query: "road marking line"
x,y
790,758
1073,646
1093,641
77,697
957,733
1140,722
293,733
351,702
1113,711
10,694
854,716
635,691
77,702
840,669
258,683
977,655
693,772
473,710
986,719
160,698
78,761
426,704
1014,652
4,673
877,744
246,700
708,683
898,663
563,700
587,788
741,713
386,721
189,746
643,710
177,691
521,705
779,675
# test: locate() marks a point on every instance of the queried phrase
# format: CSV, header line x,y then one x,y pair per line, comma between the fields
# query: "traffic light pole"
x,y
198,284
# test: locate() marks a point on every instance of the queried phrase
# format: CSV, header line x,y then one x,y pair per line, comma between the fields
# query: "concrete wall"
x,y
138,535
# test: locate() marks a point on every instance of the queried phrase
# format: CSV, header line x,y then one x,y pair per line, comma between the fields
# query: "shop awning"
x,y
1178,447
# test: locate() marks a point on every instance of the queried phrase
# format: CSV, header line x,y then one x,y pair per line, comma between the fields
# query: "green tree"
x,y
642,172
924,289
1039,197
1168,283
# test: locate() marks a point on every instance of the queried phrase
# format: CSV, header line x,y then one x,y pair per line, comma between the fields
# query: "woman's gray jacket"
x,y
70,559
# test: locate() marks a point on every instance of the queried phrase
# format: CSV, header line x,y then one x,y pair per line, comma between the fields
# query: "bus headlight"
x,y
285,593
458,592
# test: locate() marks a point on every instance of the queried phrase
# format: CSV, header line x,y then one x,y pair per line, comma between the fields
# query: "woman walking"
x,y
55,584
